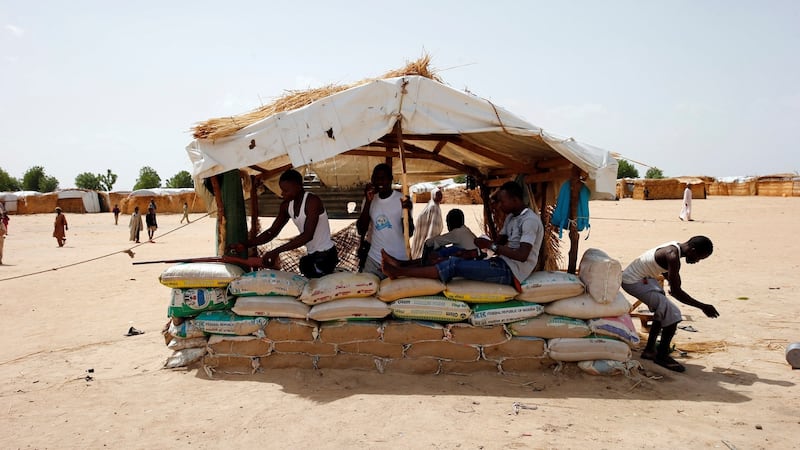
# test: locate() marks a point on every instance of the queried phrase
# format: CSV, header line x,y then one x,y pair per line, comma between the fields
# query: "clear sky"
x,y
692,87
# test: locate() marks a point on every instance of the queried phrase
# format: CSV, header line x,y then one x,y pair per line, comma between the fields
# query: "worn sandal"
x,y
133,332
669,363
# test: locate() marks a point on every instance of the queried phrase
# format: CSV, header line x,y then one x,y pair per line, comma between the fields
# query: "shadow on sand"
x,y
651,383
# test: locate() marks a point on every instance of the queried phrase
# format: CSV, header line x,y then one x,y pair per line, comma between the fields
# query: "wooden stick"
x,y
404,178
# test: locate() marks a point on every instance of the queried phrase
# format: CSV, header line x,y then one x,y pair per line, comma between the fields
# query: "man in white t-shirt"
x,y
382,215
516,249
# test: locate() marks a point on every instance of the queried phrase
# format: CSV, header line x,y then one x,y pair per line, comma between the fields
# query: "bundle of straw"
x,y
225,126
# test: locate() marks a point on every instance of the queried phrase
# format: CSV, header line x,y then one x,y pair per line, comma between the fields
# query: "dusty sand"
x,y
58,324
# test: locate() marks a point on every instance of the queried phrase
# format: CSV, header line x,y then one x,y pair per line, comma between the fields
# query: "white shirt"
x,y
645,266
386,216
321,240
525,227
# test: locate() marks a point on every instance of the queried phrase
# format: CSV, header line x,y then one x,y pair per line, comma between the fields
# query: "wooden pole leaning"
x,y
403,177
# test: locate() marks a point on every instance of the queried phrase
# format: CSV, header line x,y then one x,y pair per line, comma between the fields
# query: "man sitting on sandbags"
x,y
516,249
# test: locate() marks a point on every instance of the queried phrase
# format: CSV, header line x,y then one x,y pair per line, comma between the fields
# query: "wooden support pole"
x,y
574,195
254,182
220,215
488,214
232,198
404,188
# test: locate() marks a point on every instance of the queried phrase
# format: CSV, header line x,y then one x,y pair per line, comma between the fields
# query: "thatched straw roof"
x,y
225,126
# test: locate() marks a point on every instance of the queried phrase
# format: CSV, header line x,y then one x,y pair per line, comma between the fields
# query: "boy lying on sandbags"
x,y
516,249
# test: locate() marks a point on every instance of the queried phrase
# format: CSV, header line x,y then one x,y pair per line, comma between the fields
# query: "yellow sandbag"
x,y
200,275
471,291
391,290
546,286
339,285
434,307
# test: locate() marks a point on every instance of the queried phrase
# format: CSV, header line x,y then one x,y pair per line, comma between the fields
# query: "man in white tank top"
x,y
640,280
309,215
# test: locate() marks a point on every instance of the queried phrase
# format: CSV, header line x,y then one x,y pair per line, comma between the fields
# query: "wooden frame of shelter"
x,y
435,133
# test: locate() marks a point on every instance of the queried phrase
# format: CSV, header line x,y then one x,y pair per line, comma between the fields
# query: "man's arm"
x,y
272,232
675,289
362,224
313,210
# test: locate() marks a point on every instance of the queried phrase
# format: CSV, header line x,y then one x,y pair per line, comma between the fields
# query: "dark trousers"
x,y
317,264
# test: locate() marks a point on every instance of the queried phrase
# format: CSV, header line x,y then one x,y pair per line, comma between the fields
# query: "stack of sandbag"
x,y
596,325
197,289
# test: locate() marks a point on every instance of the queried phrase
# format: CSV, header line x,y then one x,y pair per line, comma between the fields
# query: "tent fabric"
x,y
316,136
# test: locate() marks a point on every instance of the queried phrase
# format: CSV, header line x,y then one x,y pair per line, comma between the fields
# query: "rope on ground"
x,y
128,251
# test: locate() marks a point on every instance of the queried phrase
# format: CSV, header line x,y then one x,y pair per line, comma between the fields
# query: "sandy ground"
x,y
59,324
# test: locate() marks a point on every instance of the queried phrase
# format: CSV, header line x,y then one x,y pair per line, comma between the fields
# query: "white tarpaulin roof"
x,y
445,132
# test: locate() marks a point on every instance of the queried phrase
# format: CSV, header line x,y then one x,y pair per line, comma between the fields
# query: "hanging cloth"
x,y
560,217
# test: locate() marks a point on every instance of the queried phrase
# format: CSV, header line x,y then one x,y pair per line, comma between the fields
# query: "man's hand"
x,y
369,192
710,311
236,248
271,260
407,204
483,243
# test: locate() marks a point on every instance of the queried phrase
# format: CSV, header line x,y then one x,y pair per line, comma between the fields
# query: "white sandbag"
x,y
609,367
350,308
546,286
180,343
585,349
620,327
187,329
435,307
268,282
506,312
601,274
185,357
472,291
226,322
339,285
585,307
271,306
391,290
548,326
191,302
200,275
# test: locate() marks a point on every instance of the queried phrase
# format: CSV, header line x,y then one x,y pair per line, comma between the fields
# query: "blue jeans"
x,y
493,270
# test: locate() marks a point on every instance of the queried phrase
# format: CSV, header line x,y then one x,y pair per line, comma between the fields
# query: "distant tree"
x,y
7,182
626,170
35,179
48,184
107,181
182,179
148,179
87,180
460,179
654,172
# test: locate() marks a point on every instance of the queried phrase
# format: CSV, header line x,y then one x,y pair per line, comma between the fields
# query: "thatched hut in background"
x,y
168,200
35,202
779,185
734,186
667,188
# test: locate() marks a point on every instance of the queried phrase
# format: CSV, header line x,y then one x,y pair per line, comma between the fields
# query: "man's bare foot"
x,y
389,270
